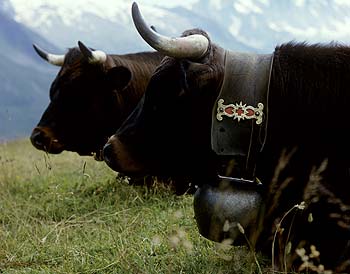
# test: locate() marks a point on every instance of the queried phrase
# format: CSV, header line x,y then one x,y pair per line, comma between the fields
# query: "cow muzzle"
x,y
226,211
118,157
43,138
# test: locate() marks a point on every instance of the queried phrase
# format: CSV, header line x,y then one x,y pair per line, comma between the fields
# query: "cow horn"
x,y
53,59
194,46
94,56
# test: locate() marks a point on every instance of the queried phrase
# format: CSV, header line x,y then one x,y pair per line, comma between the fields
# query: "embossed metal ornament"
x,y
240,111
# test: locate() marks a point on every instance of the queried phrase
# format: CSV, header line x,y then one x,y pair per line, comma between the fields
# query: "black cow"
x,y
90,97
299,150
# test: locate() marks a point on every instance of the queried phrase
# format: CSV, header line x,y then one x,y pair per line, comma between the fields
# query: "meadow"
x,y
71,214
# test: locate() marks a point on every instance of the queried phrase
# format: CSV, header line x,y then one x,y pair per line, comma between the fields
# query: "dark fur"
x,y
169,134
309,95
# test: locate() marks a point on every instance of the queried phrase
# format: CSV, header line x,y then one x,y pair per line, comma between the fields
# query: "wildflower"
x,y
240,228
288,247
310,218
302,254
174,241
227,242
301,206
226,226
314,252
156,240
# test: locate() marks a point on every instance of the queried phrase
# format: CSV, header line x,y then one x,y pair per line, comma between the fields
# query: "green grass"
x,y
70,214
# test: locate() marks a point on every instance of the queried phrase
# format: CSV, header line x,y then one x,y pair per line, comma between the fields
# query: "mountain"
x,y
262,24
24,79
107,24
242,25
235,24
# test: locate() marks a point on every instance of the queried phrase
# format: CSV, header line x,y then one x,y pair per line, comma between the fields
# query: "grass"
x,y
70,214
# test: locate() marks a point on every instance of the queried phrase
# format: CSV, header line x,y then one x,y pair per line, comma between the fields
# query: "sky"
x,y
249,20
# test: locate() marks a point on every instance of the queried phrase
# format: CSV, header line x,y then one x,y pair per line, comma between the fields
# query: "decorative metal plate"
x,y
240,111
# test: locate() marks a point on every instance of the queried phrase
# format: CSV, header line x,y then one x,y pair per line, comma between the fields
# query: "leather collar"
x,y
240,114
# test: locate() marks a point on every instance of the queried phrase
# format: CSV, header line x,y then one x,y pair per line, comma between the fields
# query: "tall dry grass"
x,y
69,214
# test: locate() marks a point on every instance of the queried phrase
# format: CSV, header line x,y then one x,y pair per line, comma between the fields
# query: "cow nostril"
x,y
108,153
44,139
38,138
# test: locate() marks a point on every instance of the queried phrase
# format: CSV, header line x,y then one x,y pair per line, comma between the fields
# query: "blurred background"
x,y
242,25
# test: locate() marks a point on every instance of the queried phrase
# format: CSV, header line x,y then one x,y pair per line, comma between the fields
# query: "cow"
x,y
92,94
286,136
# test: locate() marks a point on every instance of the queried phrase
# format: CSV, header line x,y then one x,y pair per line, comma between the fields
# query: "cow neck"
x,y
239,119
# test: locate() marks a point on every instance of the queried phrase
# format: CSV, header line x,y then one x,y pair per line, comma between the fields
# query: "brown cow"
x,y
92,94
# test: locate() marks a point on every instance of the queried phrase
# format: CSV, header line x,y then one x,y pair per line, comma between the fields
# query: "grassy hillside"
x,y
69,214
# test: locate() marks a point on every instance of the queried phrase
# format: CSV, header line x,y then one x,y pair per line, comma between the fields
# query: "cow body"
x,y
89,100
169,133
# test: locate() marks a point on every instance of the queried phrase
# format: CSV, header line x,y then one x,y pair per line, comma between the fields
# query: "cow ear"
x,y
119,77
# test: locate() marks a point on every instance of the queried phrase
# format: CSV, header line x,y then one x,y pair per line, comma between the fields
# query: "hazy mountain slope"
x,y
24,79
251,24
22,98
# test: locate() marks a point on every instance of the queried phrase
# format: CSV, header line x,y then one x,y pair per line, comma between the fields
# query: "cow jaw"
x,y
117,157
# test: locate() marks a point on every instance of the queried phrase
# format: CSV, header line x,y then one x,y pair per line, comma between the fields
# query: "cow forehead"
x,y
80,71
74,64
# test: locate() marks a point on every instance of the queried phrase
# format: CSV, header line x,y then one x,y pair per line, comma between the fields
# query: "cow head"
x,y
82,112
168,133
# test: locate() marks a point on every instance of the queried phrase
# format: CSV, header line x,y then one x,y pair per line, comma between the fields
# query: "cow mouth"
x,y
43,138
54,147
119,158
97,154
223,211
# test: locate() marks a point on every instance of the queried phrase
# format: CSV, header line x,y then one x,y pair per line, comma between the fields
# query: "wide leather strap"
x,y
240,114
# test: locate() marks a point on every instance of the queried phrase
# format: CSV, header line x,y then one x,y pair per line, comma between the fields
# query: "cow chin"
x,y
118,158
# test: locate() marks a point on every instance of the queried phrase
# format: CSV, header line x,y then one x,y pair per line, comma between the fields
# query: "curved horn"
x,y
53,59
193,46
94,56
154,28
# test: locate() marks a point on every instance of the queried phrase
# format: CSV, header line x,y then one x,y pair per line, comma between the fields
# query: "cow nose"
x,y
43,138
108,154
38,138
